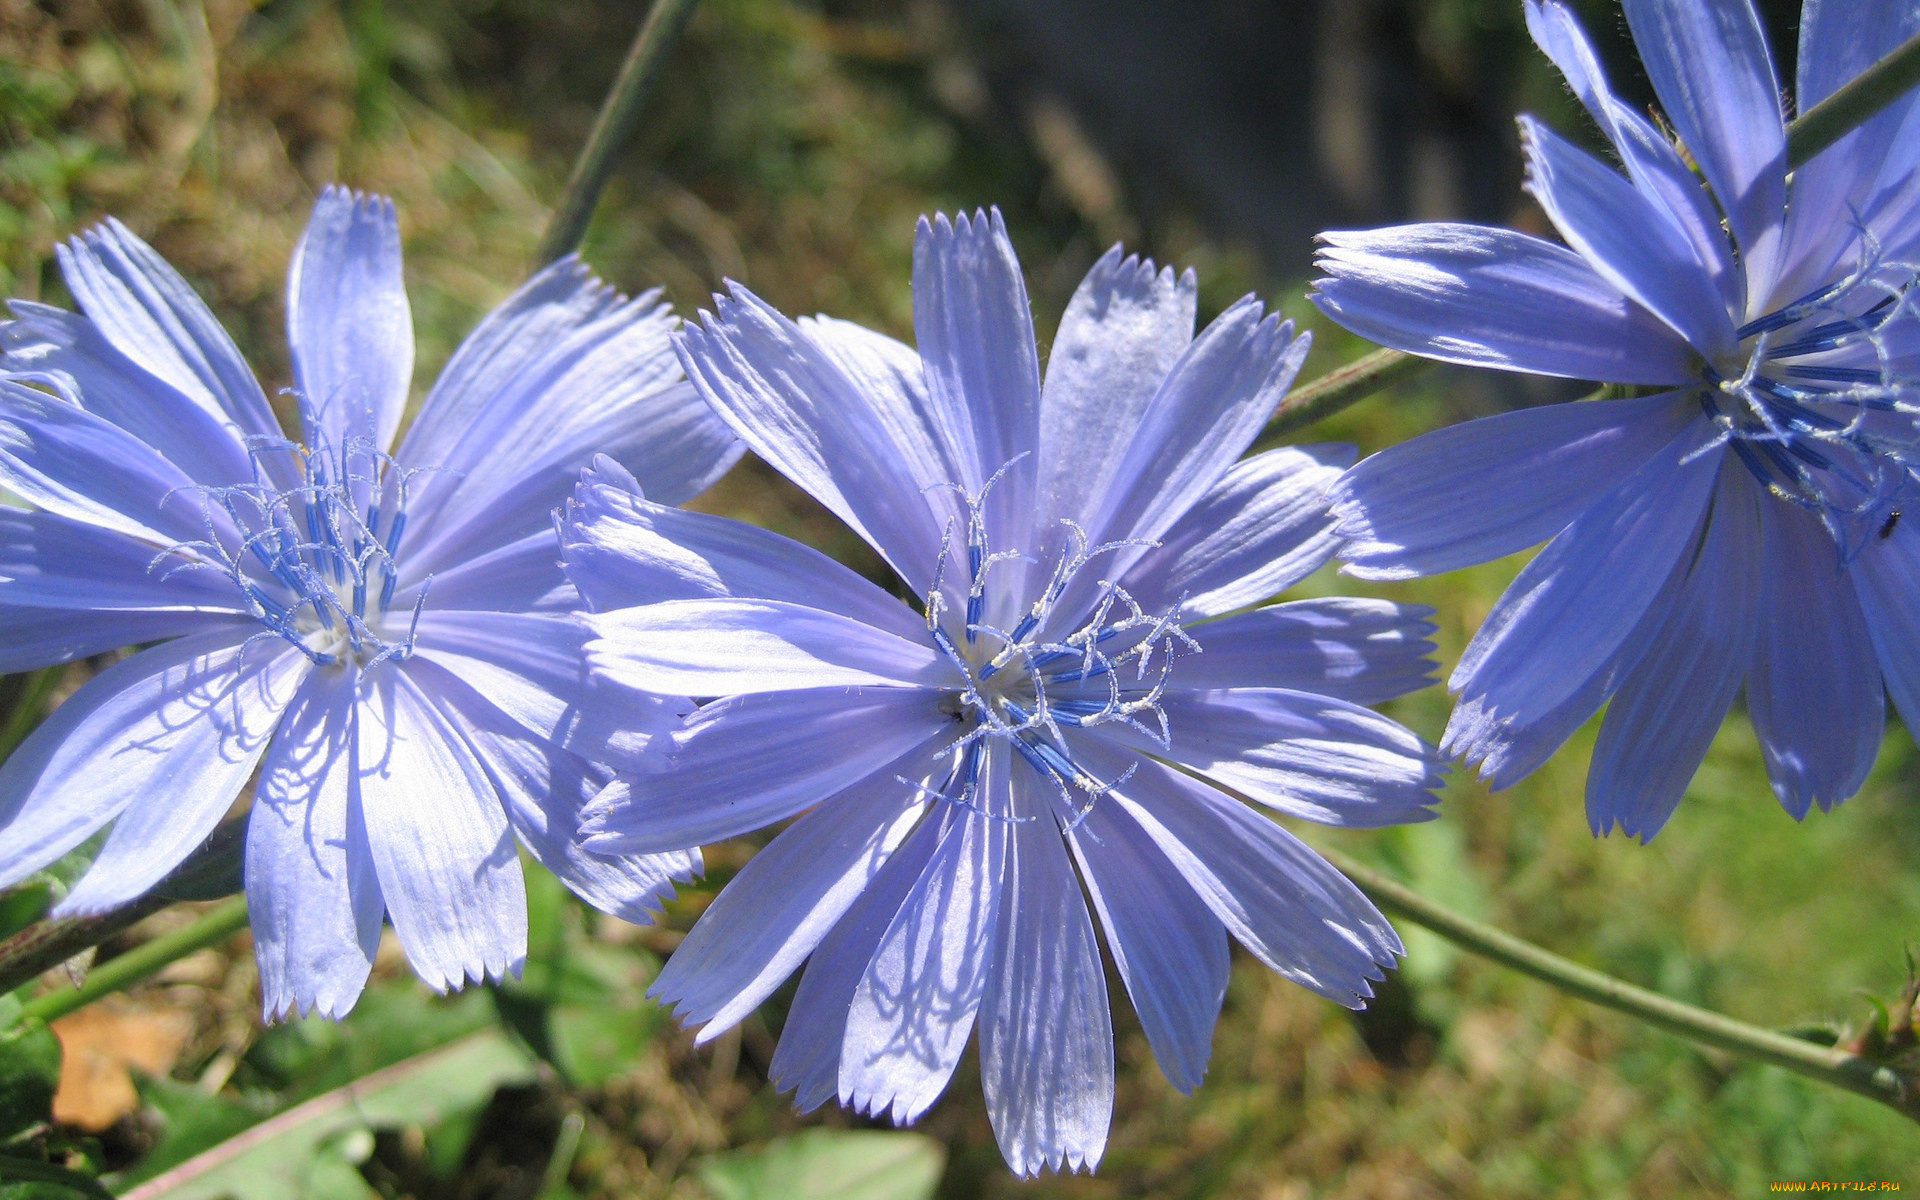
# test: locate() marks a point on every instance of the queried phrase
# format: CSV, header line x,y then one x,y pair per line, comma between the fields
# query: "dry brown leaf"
x,y
101,1045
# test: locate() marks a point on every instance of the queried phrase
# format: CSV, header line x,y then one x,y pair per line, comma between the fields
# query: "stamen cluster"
x,y
1038,683
1813,424
330,541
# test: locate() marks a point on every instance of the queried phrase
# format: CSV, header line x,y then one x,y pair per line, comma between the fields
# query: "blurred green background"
x,y
792,145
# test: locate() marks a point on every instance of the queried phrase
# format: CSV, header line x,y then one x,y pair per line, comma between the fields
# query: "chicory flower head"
x,y
1059,708
384,633
1744,522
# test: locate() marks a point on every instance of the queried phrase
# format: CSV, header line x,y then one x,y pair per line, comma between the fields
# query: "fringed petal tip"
x,y
1602,820
1059,1162
1123,271
981,222
1495,746
288,1006
575,271
494,970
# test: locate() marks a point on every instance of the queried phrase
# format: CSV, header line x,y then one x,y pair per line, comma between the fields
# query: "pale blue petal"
x,y
1356,649
1210,407
1632,241
724,647
1169,947
1710,67
180,724
68,461
1507,749
1264,527
1886,578
48,561
749,761
794,405
807,1060
1656,167
544,788
974,330
770,916
668,426
1278,898
1487,488
1672,702
531,668
191,777
518,576
348,322
155,318
313,897
1126,326
31,638
914,1008
1494,298
930,443
1568,614
439,839
1814,689
1302,754
522,367
1046,1031
564,369
1838,40
72,353
623,550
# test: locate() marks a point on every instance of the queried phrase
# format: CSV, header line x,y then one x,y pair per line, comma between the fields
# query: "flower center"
x,y
1820,402
315,560
1032,685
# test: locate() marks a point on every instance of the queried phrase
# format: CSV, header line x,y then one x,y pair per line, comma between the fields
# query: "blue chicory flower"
x,y
1046,720
1743,522
384,633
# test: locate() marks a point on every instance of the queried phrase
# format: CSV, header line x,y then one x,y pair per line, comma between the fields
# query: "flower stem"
x,y
1827,1064
611,129
214,926
28,709
1854,103
1849,107
208,873
1341,388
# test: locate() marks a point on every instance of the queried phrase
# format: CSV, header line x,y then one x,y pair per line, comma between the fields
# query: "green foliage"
x,y
580,1005
29,1073
314,1150
824,1164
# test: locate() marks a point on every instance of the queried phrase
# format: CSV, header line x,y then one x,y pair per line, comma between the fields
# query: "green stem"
x,y
28,709
22,1170
611,129
1341,388
1849,107
214,926
208,873
1854,103
1827,1064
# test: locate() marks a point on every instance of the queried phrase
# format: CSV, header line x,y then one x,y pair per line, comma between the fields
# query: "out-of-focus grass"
x,y
793,150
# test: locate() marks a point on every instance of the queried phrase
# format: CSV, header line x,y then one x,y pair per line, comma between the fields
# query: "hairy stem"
x,y
213,927
208,873
618,115
1849,107
1827,1064
1341,387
